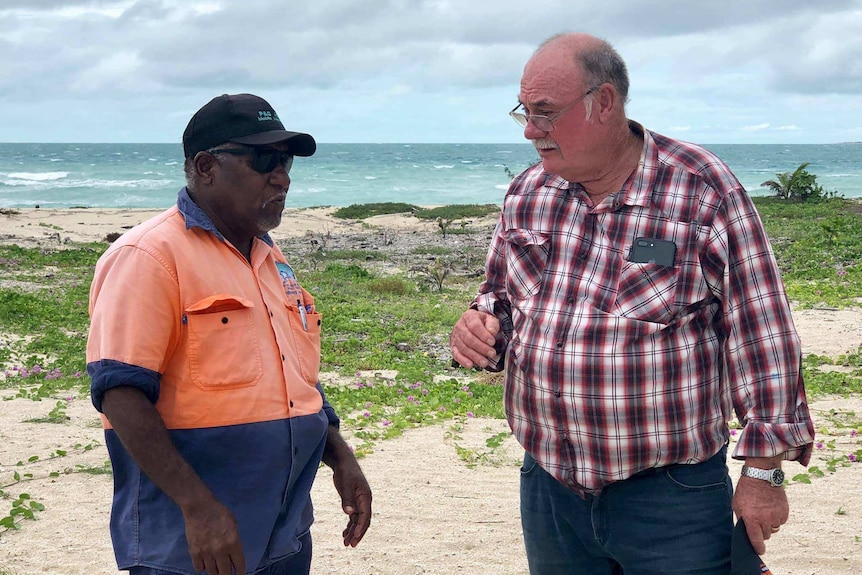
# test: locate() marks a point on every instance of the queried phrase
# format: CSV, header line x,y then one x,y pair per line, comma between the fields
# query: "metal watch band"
x,y
774,477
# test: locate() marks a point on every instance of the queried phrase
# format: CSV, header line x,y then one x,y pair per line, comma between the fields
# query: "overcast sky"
x,y
730,71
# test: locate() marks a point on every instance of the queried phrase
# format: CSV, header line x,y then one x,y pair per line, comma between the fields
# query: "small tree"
x,y
798,185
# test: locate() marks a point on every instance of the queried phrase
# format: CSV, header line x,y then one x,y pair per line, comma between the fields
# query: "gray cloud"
x,y
162,45
738,60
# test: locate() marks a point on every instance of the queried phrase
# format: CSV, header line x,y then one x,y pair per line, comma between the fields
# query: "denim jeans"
x,y
673,520
296,564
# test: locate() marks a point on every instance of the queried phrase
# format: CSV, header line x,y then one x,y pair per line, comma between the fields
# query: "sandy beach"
x,y
433,514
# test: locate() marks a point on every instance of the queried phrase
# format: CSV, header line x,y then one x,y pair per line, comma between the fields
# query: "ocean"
x,y
149,175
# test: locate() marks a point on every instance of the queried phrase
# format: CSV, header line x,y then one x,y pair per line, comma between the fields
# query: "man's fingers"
x,y
756,536
224,565
360,519
238,560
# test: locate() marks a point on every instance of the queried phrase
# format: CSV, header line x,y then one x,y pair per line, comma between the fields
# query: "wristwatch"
x,y
775,477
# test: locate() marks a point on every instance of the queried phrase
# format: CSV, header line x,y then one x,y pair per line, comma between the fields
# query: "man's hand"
x,y
355,495
213,539
763,507
351,485
472,339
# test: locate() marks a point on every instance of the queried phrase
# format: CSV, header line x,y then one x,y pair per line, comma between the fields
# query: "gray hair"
x,y
601,64
189,166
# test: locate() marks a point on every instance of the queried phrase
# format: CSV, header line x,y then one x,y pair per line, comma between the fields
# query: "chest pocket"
x,y
305,327
660,294
223,349
647,292
527,255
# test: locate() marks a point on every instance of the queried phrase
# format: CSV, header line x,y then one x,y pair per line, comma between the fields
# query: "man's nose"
x,y
279,176
531,132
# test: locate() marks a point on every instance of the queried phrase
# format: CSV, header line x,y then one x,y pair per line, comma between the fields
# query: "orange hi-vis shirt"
x,y
187,305
228,351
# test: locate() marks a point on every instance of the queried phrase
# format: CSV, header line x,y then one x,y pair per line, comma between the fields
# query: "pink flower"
x,y
471,414
852,457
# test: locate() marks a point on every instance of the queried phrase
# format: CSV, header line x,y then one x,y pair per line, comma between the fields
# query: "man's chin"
x,y
269,223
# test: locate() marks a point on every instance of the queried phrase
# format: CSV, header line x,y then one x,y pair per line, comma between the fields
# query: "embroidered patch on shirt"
x,y
288,280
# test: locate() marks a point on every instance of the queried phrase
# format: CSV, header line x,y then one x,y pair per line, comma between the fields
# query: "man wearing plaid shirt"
x,y
633,298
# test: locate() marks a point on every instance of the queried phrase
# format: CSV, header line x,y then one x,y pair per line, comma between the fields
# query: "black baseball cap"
x,y
244,119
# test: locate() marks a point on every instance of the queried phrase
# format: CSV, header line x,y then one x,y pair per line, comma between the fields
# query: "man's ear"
x,y
205,164
607,100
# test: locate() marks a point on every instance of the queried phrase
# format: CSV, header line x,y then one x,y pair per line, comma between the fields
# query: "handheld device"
x,y
651,250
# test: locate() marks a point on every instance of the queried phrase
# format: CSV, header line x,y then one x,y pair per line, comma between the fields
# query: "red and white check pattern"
x,y
614,367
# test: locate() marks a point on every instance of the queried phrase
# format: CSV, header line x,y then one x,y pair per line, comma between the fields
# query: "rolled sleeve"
x,y
331,416
108,374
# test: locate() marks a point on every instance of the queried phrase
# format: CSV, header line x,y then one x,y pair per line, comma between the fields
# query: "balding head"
x,y
595,59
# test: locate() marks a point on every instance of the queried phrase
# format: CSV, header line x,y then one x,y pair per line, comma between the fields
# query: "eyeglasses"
x,y
542,122
265,159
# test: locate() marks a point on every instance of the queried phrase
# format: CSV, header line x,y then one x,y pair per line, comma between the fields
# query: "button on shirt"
x,y
615,366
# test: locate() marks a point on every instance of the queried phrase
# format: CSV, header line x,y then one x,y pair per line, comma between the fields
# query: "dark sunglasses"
x,y
264,161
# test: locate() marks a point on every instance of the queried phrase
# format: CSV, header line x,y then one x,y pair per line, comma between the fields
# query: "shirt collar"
x,y
197,218
637,190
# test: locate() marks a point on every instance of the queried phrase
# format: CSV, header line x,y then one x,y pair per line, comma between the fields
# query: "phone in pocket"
x,y
653,251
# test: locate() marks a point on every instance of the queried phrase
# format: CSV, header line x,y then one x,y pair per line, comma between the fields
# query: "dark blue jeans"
x,y
296,564
674,520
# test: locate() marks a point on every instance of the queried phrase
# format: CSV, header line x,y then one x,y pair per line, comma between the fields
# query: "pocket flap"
x,y
219,302
526,238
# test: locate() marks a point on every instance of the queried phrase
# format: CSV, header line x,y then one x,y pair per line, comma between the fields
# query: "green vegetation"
x,y
383,321
362,211
800,185
386,333
457,212
819,249
453,212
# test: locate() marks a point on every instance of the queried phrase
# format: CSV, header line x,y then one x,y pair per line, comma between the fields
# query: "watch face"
x,y
777,477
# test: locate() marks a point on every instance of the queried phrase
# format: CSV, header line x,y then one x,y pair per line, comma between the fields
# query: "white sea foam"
x,y
38,176
444,167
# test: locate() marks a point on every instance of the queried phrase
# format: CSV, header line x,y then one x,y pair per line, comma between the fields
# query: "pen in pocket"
x,y
301,309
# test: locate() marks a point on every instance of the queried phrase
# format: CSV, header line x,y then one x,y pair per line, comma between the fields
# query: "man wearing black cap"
x,y
204,353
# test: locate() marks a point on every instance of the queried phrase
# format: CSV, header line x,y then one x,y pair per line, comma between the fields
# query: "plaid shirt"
x,y
614,367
